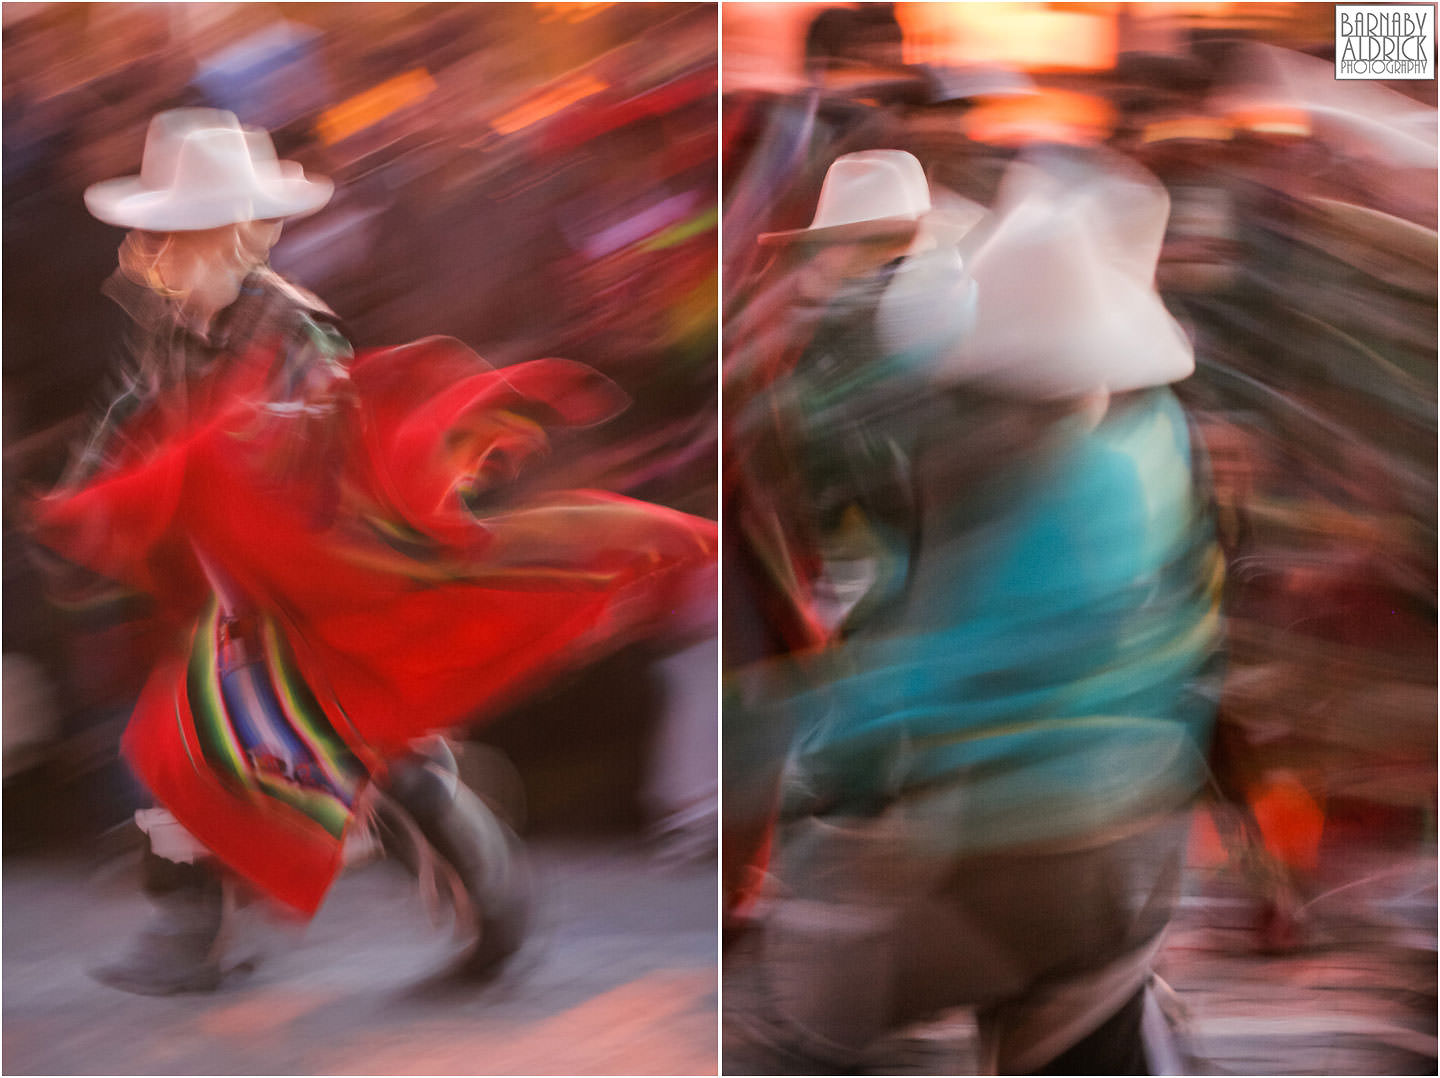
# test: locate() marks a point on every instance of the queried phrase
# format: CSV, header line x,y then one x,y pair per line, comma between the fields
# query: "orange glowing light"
x,y
548,103
570,10
1291,822
1188,127
1032,37
1272,120
1051,115
369,108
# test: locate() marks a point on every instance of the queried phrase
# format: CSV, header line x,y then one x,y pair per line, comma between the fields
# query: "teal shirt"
x,y
1044,675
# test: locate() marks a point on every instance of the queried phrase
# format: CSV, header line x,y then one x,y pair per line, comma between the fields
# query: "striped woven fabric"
x,y
369,604
260,727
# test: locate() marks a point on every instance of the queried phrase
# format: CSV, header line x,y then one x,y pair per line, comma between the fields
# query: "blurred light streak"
x,y
599,117
369,108
571,10
549,102
1188,127
677,234
1028,36
647,222
1272,120
1048,115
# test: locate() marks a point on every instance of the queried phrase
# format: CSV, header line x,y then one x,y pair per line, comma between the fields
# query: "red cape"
x,y
342,521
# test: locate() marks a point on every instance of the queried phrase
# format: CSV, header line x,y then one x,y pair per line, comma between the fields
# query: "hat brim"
x,y
1142,347
128,203
1382,231
880,228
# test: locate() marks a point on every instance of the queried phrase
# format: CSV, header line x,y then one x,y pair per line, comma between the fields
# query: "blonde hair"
x,y
241,247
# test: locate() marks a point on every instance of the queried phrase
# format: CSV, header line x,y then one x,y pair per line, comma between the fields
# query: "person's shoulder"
x,y
281,292
304,313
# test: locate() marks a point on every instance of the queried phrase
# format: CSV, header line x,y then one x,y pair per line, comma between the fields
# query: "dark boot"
x,y
179,949
428,811
1115,1047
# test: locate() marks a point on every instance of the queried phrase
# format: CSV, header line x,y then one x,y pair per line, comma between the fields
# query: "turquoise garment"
x,y
1044,675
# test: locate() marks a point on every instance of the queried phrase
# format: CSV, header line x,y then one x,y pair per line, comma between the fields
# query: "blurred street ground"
x,y
619,978
1356,997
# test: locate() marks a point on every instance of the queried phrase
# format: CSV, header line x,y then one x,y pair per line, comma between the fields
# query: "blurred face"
x,y
830,265
859,259
200,271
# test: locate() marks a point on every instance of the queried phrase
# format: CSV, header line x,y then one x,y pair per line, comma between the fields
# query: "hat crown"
x,y
202,169
872,185
216,161
168,133
1064,270
1109,220
205,149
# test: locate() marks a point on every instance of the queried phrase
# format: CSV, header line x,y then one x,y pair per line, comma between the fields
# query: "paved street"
x,y
619,979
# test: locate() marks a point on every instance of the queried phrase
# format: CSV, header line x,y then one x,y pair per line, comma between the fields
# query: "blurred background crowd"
x,y
535,179
1300,259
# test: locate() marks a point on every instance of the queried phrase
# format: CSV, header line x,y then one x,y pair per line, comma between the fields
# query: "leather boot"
x,y
179,949
429,816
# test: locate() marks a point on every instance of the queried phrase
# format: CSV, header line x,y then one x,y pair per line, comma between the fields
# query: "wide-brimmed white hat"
x,y
875,194
1065,301
202,169
1358,118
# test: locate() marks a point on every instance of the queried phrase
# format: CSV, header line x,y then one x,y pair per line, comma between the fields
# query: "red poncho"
x,y
343,591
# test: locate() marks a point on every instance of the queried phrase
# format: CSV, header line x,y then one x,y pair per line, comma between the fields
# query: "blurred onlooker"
x,y
865,34
1303,264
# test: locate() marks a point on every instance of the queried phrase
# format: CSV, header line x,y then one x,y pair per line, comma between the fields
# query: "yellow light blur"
x,y
1027,36
1272,120
1188,127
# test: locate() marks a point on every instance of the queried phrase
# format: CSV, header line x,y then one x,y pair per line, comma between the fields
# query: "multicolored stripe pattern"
x,y
260,727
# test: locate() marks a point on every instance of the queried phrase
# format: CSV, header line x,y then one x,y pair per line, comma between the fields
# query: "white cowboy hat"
x,y
1358,118
876,194
1066,306
201,170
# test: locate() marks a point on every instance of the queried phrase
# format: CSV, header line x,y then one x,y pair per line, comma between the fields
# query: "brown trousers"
x,y
866,931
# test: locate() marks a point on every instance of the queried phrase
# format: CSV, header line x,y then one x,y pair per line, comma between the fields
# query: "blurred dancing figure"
x,y
345,556
1003,712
